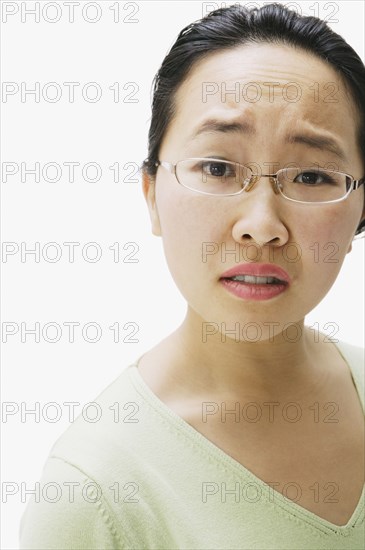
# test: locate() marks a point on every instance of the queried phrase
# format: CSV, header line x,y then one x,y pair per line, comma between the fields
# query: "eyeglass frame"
x,y
171,167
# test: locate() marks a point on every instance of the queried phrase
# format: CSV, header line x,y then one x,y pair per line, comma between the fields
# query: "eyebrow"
x,y
213,125
314,141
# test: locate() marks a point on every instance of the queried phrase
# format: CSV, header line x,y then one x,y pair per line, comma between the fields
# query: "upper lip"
x,y
259,270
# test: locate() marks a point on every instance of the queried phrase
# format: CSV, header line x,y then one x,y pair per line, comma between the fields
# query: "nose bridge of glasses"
x,y
254,178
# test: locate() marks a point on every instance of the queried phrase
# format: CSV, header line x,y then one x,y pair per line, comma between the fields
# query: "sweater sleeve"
x,y
68,512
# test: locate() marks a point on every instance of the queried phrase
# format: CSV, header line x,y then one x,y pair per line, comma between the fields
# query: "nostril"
x,y
275,240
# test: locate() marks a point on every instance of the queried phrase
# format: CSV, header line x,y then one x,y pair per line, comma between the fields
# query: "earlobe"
x,y
149,186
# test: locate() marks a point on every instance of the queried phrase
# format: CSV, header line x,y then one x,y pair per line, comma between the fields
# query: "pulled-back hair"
x,y
226,28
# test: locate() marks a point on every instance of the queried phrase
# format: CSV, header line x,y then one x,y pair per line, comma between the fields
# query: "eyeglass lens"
x,y
216,176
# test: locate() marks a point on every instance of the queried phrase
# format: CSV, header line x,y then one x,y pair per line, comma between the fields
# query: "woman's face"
x,y
204,236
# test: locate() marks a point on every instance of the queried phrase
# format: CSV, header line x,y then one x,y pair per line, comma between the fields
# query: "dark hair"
x,y
226,28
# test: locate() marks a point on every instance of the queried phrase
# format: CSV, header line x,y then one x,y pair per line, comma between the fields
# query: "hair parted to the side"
x,y
226,28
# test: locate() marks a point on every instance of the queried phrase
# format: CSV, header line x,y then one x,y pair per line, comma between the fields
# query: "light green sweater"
x,y
142,478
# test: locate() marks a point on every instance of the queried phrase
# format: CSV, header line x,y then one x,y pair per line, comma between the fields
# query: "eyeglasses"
x,y
212,176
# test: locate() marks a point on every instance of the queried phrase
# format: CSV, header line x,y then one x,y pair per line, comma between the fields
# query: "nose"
x,y
260,214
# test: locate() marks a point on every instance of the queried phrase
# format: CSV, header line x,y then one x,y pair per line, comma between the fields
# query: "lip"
x,y
247,291
259,270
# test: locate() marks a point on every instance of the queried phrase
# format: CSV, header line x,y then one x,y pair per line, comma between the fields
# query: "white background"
x,y
105,212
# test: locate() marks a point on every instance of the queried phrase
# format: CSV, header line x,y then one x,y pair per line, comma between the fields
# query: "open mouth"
x,y
255,280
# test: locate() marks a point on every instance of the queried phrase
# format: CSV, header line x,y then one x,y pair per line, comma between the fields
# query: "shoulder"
x,y
75,499
119,433
353,354
106,426
69,510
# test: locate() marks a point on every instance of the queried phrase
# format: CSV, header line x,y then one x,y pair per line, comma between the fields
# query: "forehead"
x,y
269,87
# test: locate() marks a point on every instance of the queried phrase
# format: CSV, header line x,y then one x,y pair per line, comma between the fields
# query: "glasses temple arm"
x,y
359,182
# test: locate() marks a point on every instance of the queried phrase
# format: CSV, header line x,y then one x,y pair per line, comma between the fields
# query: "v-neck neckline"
x,y
291,507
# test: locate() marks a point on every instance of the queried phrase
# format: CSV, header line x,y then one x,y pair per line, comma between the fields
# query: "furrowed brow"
x,y
318,142
218,126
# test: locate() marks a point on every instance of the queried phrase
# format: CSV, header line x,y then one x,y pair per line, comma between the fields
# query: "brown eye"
x,y
217,169
313,178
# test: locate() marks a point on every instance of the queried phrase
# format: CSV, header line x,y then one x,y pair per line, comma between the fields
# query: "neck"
x,y
222,364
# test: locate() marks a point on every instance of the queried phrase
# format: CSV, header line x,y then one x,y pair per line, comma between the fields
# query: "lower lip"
x,y
251,291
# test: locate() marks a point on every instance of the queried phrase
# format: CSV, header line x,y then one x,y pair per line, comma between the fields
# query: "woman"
x,y
243,428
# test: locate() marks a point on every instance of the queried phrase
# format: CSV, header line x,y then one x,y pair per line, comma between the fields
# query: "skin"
x,y
185,220
182,370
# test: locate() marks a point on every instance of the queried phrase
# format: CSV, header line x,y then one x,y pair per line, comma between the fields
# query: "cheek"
x,y
189,228
323,239
327,224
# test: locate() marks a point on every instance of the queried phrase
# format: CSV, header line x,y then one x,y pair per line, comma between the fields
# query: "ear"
x,y
149,186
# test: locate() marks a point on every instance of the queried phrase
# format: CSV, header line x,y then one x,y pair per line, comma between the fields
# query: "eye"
x,y
313,178
218,169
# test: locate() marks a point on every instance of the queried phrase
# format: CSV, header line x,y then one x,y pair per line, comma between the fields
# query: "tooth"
x,y
254,279
262,279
